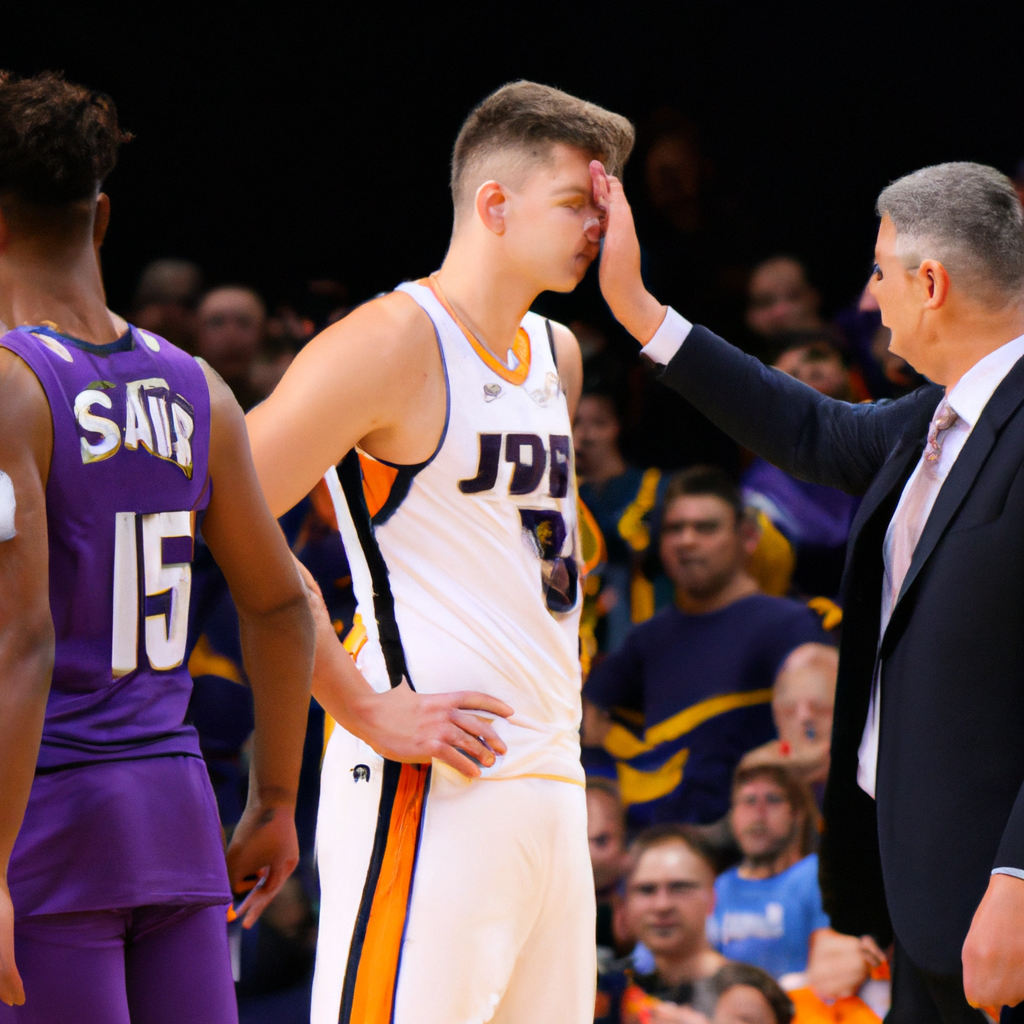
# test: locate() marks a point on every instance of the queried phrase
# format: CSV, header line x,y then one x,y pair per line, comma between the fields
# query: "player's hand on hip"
x,y
993,954
418,727
263,852
12,991
621,284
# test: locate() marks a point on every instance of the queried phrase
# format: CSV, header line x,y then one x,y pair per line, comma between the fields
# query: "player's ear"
x,y
491,206
101,220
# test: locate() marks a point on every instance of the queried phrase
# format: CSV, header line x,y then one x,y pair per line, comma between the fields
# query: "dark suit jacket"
x,y
950,805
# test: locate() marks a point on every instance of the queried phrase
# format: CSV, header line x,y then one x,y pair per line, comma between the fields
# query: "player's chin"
x,y
572,276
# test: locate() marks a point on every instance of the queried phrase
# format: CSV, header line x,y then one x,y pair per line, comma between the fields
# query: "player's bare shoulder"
x,y
386,334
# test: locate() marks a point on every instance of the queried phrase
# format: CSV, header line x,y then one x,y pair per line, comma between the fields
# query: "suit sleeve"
x,y
1011,847
803,432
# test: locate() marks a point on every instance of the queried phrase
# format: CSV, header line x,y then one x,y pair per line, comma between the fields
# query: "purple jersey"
x,y
131,428
128,478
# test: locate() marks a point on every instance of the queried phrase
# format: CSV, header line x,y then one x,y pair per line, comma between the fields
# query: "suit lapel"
x,y
893,474
1001,406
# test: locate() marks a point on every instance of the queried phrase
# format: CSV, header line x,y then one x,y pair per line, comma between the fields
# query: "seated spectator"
x,y
802,702
670,891
165,301
748,995
606,833
621,498
688,693
769,904
780,299
815,519
230,326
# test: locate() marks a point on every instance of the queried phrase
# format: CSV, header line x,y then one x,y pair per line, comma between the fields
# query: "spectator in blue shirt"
x,y
689,691
768,906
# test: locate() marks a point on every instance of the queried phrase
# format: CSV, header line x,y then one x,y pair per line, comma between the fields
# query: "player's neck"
x,y
689,965
67,292
488,299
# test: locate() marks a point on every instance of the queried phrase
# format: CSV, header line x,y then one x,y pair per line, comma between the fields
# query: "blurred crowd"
x,y
708,636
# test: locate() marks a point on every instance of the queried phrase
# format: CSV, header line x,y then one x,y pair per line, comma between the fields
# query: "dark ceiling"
x,y
278,143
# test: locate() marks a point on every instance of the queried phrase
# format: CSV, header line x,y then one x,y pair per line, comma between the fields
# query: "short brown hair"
x,y
734,973
532,118
798,793
698,481
670,832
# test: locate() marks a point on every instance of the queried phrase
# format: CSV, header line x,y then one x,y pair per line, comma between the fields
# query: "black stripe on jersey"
x,y
551,343
399,492
351,477
389,786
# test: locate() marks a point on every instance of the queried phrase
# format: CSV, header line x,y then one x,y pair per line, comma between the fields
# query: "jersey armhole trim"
x,y
415,467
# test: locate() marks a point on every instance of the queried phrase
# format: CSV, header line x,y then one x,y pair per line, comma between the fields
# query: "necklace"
x,y
517,368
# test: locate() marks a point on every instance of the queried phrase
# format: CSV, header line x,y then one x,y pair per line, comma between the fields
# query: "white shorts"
x,y
499,923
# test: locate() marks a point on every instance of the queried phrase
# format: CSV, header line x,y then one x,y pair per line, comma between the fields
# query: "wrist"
x,y
642,317
266,797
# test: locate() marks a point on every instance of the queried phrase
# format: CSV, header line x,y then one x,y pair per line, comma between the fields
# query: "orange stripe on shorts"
x,y
378,963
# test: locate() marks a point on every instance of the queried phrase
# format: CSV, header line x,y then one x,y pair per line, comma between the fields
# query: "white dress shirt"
x,y
968,400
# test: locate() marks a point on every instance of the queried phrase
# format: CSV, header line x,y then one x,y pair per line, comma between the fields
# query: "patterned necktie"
x,y
945,416
909,521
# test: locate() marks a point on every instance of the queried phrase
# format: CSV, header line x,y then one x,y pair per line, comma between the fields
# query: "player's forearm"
x,y
26,667
339,687
277,648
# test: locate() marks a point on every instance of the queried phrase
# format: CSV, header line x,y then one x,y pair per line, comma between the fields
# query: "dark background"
x,y
275,143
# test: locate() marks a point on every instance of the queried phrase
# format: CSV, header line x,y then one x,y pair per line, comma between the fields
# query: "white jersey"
x,y
480,546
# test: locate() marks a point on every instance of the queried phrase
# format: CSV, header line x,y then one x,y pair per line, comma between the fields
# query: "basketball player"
x,y
114,446
460,891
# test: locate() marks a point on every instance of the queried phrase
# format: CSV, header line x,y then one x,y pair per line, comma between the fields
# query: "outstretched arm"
x,y
277,646
788,423
26,629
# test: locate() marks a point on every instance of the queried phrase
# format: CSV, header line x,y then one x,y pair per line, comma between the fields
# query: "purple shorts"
x,y
147,965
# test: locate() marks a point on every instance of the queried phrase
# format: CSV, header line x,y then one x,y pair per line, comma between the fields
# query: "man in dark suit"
x,y
924,811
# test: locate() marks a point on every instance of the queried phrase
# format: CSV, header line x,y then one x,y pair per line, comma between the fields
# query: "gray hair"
x,y
968,217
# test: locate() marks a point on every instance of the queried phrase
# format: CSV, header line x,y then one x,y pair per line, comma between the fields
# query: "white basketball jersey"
x,y
472,556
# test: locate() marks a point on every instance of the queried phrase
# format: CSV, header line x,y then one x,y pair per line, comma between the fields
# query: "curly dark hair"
x,y
58,140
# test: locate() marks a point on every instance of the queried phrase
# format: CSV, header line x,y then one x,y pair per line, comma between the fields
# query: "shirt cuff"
x,y
1015,872
668,338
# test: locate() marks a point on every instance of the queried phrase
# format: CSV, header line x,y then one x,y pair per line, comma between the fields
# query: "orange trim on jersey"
x,y
532,775
378,963
520,347
378,479
592,544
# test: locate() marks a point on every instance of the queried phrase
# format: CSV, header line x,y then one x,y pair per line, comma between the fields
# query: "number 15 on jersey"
x,y
163,566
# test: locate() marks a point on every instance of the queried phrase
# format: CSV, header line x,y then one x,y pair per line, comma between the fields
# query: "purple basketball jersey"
x,y
128,478
131,427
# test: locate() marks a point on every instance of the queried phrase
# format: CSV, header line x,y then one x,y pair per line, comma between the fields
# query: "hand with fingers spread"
x,y
12,992
400,724
263,852
621,284
416,727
